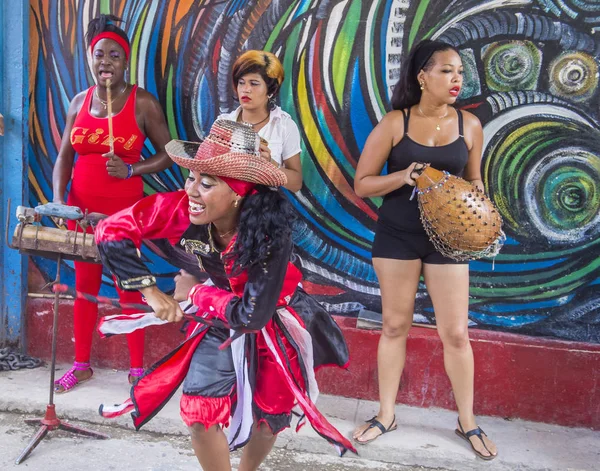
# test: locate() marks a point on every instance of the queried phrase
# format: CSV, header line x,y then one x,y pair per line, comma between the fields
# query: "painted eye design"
x,y
573,75
542,167
536,93
511,65
517,66
541,158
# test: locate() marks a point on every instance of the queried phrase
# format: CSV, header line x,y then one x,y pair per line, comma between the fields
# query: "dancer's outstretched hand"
x,y
164,306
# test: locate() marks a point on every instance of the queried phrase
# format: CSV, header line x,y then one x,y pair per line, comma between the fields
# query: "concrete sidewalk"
x,y
425,437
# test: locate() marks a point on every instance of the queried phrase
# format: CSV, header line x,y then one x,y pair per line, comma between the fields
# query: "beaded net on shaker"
x,y
461,221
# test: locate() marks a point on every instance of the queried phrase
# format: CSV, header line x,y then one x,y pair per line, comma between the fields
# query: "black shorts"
x,y
403,245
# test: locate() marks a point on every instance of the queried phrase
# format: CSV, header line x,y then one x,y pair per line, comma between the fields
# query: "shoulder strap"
x,y
461,132
87,100
406,118
132,98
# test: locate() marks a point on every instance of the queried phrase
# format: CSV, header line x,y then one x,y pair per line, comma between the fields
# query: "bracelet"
x,y
129,171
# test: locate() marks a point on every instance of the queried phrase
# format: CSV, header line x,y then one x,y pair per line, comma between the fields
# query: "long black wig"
x,y
266,221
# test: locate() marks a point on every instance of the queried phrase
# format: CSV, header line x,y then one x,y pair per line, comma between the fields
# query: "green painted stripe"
x,y
553,289
105,7
170,110
135,44
342,52
286,93
376,90
417,20
278,27
546,255
540,276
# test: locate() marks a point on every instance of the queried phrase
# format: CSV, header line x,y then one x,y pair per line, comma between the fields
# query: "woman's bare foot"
x,y
486,448
369,431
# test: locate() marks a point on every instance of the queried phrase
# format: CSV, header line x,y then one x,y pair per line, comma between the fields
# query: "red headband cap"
x,y
240,187
115,37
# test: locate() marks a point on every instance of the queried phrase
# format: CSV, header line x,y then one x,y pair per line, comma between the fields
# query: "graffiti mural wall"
x,y
531,73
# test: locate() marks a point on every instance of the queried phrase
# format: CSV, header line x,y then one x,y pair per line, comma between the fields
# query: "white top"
x,y
280,132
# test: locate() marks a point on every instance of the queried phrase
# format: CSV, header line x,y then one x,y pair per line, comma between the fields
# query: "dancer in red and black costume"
x,y
238,226
104,181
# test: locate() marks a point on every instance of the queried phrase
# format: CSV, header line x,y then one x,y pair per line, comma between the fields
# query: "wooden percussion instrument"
x,y
47,240
461,221
32,238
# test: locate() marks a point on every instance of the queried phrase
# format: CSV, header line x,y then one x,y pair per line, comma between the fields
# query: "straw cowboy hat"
x,y
231,150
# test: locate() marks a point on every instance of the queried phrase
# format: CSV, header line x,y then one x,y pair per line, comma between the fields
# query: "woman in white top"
x,y
257,78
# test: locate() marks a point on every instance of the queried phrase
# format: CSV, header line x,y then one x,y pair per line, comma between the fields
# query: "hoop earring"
x,y
272,102
237,202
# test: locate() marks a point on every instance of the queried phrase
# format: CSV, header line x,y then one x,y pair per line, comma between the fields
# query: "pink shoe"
x,y
135,374
68,381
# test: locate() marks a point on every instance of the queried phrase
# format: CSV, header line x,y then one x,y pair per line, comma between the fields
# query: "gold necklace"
x,y
224,233
437,126
105,102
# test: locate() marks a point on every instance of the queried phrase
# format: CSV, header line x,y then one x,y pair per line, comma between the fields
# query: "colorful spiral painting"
x,y
531,76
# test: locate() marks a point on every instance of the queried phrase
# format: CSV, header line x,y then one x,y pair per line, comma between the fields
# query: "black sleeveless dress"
x,y
400,234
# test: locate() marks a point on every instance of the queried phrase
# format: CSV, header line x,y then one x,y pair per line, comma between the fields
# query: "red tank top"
x,y
89,138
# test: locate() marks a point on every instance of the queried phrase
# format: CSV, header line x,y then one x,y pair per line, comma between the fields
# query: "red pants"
x,y
88,278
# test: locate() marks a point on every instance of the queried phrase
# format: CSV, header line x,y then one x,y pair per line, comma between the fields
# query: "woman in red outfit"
x,y
102,181
238,225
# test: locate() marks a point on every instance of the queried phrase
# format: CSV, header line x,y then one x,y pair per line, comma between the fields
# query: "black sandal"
x,y
475,432
375,423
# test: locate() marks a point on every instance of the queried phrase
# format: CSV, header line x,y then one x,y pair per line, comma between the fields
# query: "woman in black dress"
x,y
424,127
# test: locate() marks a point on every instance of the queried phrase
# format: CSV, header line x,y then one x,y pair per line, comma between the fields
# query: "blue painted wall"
x,y
14,85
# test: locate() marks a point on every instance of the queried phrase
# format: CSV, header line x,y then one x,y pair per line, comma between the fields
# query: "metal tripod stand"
x,y
50,421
